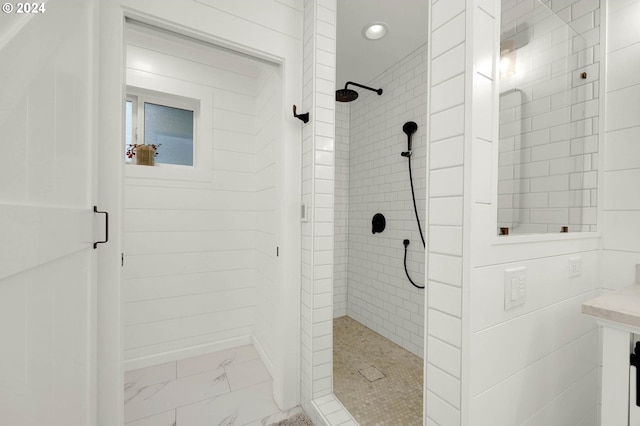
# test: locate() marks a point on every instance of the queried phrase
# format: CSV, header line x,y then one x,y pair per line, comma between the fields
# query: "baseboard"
x,y
176,355
263,355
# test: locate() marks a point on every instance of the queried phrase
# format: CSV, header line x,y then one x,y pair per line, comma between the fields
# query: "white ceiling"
x,y
360,60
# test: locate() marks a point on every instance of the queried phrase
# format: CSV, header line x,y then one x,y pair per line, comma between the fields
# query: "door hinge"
x,y
121,259
277,251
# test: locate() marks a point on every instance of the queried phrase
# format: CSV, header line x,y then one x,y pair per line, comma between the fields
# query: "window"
x,y
164,121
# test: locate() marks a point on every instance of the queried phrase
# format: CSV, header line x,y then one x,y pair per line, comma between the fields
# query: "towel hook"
x,y
304,117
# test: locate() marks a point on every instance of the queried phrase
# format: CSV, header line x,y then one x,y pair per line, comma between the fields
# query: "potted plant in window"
x,y
145,154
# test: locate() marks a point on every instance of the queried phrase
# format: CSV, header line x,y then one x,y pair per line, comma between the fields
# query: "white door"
x,y
47,272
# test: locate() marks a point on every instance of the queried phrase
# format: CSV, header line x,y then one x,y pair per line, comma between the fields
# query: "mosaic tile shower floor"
x,y
396,398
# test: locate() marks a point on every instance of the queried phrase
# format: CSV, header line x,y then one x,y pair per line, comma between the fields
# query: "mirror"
x,y
548,125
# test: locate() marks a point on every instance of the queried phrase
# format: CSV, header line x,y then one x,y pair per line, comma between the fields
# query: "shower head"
x,y
409,129
348,95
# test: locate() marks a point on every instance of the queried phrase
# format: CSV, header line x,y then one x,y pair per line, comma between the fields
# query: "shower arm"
x,y
378,91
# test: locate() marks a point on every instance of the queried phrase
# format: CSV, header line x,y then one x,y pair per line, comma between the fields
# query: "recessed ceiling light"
x,y
375,31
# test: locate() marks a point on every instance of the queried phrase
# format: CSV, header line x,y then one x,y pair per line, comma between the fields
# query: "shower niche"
x,y
547,175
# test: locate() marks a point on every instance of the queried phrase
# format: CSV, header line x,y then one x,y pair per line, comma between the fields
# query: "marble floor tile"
x,y
227,388
168,418
156,398
274,418
246,374
212,361
234,408
149,376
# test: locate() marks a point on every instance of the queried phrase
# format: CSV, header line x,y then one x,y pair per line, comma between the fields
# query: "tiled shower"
x,y
370,282
372,177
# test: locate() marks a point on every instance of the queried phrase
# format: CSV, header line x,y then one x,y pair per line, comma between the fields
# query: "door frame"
x,y
110,350
111,92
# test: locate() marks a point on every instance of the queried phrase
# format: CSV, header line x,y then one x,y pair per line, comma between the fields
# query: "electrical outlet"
x,y
515,287
575,267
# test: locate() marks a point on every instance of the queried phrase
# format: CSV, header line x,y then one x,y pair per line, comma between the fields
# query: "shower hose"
x,y
415,209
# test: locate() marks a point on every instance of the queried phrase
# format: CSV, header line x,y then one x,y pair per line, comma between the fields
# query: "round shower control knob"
x,y
378,223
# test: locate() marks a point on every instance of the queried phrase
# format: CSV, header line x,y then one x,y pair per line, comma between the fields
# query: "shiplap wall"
x,y
506,352
267,208
196,252
379,294
621,251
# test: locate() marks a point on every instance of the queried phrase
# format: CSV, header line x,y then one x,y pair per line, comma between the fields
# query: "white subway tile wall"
x,y
379,293
318,170
341,214
506,351
549,117
446,122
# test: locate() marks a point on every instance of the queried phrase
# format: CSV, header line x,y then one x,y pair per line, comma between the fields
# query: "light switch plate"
x,y
575,266
515,287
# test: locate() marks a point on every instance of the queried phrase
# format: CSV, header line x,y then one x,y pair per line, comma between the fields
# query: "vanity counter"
x,y
618,313
621,306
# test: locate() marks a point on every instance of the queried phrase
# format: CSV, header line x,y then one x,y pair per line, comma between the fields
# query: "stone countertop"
x,y
621,306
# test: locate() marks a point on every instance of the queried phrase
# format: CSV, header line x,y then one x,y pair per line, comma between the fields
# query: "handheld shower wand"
x,y
409,129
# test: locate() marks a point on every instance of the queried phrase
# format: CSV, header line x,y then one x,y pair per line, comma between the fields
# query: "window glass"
x,y
172,129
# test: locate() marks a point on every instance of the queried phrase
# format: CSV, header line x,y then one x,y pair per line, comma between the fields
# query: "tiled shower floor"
x,y
230,387
360,358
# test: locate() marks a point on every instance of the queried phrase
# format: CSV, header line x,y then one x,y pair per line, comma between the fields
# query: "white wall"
x,y
622,163
271,30
379,294
341,210
266,168
537,363
447,78
318,147
47,266
194,250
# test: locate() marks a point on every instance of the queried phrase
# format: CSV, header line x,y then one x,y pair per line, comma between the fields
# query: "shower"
x,y
348,95
378,327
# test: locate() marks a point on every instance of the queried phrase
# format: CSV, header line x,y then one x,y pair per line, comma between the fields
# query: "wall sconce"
x,y
507,59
